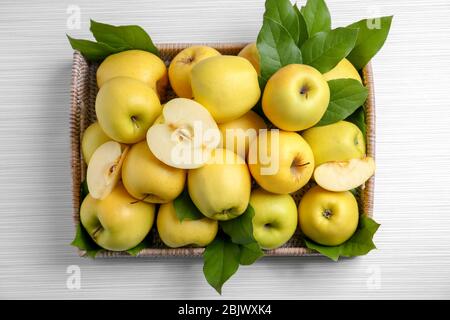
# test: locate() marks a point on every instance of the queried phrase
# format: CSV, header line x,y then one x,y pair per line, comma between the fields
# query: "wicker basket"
x,y
83,93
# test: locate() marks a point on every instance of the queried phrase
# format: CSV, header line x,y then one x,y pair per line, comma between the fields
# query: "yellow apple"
x,y
118,222
137,64
239,133
148,179
126,108
275,218
93,137
280,161
250,52
221,188
344,175
328,218
185,135
181,66
295,97
175,233
343,70
225,85
340,141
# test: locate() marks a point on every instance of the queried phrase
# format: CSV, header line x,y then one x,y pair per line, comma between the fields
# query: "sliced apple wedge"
x,y
104,169
185,135
344,175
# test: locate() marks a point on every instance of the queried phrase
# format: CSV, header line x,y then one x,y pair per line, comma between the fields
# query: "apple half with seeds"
x,y
104,169
185,135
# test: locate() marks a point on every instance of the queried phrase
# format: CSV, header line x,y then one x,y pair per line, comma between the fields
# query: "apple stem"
x,y
95,232
304,91
303,164
134,119
188,60
140,200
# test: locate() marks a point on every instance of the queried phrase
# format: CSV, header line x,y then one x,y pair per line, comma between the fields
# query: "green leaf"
x,y
93,51
355,192
185,208
84,191
221,261
371,37
240,229
302,27
276,48
84,242
128,37
330,252
317,16
146,243
359,244
250,253
359,118
346,95
325,49
282,12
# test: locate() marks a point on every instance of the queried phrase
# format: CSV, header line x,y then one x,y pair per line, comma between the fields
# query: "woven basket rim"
x,y
80,68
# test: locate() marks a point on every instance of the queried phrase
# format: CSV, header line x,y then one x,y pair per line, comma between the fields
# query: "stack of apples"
x,y
141,154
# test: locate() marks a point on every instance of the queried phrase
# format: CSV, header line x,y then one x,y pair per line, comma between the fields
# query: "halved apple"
x,y
344,175
185,135
104,169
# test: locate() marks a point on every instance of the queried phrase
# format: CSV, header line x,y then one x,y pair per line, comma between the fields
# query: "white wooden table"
x,y
412,201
